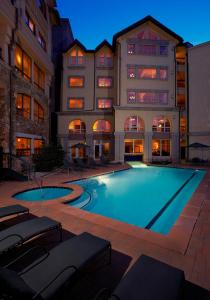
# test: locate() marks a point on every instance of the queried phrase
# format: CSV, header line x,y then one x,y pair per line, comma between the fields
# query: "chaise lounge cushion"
x,y
12,210
13,284
150,279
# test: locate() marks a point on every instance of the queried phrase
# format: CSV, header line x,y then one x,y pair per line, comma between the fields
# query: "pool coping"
x,y
176,240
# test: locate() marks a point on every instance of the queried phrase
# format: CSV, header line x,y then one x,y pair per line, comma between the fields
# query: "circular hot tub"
x,y
43,194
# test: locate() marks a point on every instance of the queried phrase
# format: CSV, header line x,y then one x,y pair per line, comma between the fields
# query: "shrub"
x,y
48,158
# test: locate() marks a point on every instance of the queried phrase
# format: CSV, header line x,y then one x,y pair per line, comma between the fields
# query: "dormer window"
x,y
105,59
77,57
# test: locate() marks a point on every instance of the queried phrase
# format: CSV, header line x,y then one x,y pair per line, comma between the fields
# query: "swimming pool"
x,y
150,197
43,194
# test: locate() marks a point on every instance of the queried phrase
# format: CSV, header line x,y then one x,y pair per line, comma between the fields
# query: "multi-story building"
x,y
199,101
26,72
127,100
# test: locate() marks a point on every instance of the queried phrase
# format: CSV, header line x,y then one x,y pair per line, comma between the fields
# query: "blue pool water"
x,y
45,193
150,197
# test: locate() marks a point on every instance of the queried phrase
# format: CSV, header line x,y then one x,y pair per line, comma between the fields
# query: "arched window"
x,y
102,126
77,126
134,124
161,124
77,57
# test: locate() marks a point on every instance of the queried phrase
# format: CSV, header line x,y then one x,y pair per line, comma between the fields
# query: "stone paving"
x,y
187,246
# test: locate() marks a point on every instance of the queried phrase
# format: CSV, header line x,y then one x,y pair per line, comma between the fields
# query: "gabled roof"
x,y
102,44
141,22
76,42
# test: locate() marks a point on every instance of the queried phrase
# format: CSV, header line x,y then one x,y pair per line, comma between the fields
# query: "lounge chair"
x,y
150,279
45,277
22,232
10,210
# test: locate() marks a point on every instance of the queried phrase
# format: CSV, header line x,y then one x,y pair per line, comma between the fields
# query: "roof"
x,y
141,22
102,44
78,43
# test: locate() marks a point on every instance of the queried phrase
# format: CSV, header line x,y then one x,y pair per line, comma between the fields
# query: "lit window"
x,y
75,103
156,97
23,62
30,23
134,124
76,57
131,49
105,82
38,112
164,50
147,73
104,103
76,81
77,126
180,79
161,147
39,77
131,72
23,146
183,125
38,145
161,124
181,100
133,146
23,106
102,126
42,41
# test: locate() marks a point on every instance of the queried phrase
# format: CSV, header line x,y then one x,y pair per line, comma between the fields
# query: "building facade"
x,y
126,101
199,99
26,72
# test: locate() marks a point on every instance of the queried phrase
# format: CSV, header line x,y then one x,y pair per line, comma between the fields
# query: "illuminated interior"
x,y
38,112
133,146
39,77
102,126
104,82
77,126
75,103
23,146
134,124
160,124
76,81
23,106
76,56
160,147
104,103
183,125
23,62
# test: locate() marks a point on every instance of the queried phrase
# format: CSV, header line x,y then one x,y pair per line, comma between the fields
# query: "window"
x,y
76,81
131,49
23,146
164,50
148,97
77,126
161,124
102,126
134,124
105,59
104,103
77,57
133,146
183,125
180,79
144,72
38,112
23,62
30,23
147,73
161,147
76,103
39,77
42,41
105,82
181,100
23,106
38,145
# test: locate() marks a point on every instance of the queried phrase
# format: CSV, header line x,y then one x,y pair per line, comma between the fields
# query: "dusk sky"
x,y
96,20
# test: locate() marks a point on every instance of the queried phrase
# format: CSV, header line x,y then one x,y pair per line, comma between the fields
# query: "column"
x,y
175,147
148,147
119,146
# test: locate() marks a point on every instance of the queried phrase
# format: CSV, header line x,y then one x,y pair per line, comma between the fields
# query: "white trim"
x,y
30,136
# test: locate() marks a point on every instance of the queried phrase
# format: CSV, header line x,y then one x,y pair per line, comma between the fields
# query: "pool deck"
x,y
187,246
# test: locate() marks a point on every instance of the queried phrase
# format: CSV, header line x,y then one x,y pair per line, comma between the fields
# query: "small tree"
x,y
48,158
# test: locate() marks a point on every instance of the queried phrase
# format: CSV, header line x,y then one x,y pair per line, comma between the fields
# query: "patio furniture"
x,y
46,277
10,210
22,232
150,279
